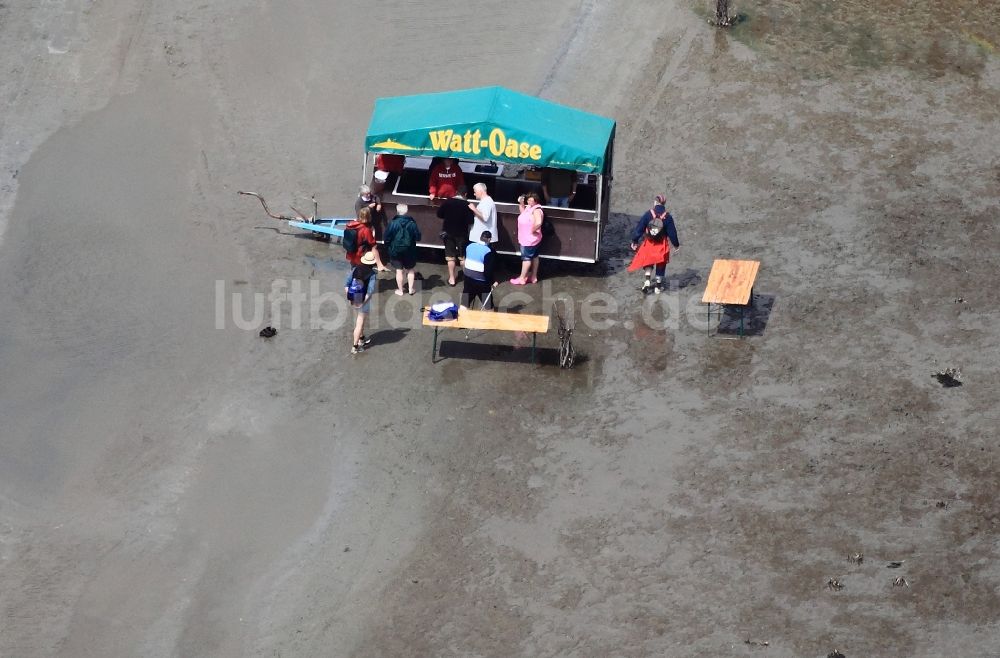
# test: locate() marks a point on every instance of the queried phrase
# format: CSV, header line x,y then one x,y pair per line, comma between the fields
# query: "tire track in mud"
x,y
135,28
581,19
651,95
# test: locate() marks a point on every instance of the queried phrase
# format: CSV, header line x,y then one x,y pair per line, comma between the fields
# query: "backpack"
x,y
402,239
350,240
655,224
357,289
442,311
548,228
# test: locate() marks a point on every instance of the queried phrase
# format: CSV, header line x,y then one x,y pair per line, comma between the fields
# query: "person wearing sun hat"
x,y
651,240
360,286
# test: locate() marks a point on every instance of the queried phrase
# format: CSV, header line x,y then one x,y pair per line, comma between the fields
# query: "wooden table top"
x,y
469,319
730,282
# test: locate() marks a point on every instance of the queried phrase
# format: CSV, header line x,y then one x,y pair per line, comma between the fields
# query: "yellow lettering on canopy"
x,y
497,142
440,139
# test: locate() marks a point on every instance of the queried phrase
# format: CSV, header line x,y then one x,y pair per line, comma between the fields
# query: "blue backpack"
x,y
357,290
442,311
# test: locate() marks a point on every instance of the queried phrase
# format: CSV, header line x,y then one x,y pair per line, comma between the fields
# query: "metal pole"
x,y
597,214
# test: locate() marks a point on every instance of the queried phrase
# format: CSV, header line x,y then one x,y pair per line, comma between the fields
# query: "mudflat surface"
x,y
170,487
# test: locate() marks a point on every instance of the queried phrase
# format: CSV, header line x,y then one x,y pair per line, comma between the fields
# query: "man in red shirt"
x,y
446,180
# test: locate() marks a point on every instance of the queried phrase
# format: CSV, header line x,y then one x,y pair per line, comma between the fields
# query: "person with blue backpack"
x,y
360,286
401,238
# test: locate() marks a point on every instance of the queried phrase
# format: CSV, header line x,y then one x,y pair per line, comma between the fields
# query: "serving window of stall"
x,y
504,183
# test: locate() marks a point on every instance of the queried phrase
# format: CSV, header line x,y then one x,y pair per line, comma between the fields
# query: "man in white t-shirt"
x,y
485,215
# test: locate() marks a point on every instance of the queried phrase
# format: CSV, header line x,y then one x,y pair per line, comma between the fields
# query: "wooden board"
x,y
468,319
730,282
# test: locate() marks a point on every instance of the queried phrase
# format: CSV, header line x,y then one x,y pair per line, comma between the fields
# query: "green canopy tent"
x,y
492,124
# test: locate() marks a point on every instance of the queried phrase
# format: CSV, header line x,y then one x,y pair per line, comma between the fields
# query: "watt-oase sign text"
x,y
472,142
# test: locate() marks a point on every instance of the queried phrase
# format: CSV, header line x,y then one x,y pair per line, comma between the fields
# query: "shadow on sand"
x,y
473,351
388,336
755,317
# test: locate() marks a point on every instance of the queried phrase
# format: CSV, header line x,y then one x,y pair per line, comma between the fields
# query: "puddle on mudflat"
x,y
326,264
820,38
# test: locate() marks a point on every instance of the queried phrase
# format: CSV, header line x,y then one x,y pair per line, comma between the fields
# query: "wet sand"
x,y
171,488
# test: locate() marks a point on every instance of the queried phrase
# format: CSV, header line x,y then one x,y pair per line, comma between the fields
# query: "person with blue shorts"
x,y
360,287
529,236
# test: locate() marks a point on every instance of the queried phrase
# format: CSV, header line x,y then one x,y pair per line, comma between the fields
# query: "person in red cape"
x,y
651,241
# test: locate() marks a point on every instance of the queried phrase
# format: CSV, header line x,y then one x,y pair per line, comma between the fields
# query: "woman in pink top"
x,y
529,236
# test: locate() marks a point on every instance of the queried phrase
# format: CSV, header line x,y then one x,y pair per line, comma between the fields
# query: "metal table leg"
x,y
533,337
435,348
743,310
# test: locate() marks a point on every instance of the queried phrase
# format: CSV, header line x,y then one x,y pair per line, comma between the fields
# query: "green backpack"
x,y
402,239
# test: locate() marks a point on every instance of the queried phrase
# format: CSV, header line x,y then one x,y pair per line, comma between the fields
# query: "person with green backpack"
x,y
401,238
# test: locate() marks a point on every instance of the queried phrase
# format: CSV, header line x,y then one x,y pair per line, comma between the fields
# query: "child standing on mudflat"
x,y
651,240
360,286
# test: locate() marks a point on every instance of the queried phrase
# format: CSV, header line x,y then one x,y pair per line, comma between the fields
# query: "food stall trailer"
x,y
504,139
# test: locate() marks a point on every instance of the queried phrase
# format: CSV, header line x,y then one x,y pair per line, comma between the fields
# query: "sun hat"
x,y
368,259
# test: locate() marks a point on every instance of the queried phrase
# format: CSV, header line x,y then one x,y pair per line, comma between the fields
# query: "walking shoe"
x,y
658,286
357,349
647,287
518,281
365,341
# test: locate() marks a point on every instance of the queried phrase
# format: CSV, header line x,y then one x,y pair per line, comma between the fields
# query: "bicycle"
x,y
566,352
